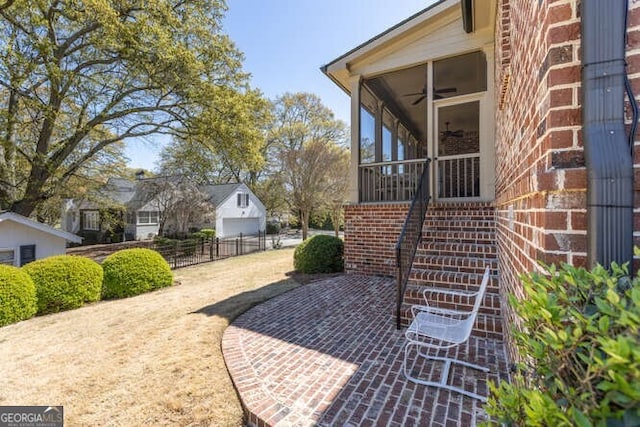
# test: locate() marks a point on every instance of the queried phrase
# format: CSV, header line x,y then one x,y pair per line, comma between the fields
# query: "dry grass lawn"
x,y
154,359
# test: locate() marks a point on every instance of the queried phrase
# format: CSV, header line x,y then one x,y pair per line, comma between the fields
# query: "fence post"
x,y
217,247
237,253
210,249
175,255
241,245
202,246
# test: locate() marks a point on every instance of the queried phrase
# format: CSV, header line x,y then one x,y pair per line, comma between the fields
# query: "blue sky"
x,y
285,43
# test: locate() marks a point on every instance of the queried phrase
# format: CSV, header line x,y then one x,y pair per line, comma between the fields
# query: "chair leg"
x,y
444,378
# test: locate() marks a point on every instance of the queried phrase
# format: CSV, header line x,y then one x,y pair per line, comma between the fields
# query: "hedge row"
x,y
66,282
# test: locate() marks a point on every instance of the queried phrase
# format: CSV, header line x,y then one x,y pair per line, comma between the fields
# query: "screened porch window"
x,y
367,128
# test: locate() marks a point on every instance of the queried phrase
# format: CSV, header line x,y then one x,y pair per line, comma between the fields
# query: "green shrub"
x,y
188,247
65,282
580,350
165,243
319,254
17,295
131,272
273,227
209,233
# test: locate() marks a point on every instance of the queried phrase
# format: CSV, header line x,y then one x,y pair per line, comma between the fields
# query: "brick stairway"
x,y
458,241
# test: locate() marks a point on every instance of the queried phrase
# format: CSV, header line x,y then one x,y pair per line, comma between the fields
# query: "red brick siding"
x,y
540,172
370,235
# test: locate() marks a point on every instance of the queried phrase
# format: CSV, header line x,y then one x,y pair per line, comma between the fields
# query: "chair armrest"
x,y
440,291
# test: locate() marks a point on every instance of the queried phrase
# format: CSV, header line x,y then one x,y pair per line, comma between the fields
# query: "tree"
x,y
77,77
338,183
178,200
306,142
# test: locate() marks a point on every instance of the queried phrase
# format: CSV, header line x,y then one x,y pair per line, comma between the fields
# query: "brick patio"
x,y
328,354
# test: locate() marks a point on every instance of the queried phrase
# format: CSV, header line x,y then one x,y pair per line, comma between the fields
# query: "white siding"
x,y
13,235
253,217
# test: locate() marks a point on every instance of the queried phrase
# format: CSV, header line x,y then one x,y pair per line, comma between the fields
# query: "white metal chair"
x,y
435,328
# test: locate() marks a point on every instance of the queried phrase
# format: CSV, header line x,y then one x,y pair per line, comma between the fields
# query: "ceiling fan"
x,y
450,133
437,94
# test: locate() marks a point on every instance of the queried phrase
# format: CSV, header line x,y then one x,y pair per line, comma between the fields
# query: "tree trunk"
x,y
304,221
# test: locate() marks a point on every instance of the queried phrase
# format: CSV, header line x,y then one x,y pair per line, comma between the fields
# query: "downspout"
x,y
467,15
608,154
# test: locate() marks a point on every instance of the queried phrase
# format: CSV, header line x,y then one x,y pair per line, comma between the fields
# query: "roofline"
x,y
12,216
325,67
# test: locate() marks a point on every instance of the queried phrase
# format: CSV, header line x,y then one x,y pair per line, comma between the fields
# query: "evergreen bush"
x,y
319,254
135,271
579,346
17,295
65,282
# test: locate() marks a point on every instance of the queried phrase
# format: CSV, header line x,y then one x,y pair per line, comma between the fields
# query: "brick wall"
x,y
370,235
540,172
541,177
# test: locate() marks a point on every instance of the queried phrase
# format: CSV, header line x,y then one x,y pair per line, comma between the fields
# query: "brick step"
x,y
457,207
456,236
454,263
414,294
472,250
455,224
466,216
449,279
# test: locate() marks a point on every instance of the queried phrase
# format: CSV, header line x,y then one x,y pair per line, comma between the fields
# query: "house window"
x,y
91,220
147,217
27,254
6,256
243,200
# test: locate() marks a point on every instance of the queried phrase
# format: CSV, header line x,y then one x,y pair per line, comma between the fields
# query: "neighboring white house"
x,y
238,210
23,240
140,204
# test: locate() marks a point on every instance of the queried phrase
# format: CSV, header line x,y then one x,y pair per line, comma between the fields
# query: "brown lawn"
x,y
154,359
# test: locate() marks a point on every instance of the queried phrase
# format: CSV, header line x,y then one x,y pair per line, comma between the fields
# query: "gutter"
x,y
608,154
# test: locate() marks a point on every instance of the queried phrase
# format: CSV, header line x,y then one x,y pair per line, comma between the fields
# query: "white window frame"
x,y
147,217
242,200
12,250
88,224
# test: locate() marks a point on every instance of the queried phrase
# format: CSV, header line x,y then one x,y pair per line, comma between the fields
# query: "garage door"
x,y
235,226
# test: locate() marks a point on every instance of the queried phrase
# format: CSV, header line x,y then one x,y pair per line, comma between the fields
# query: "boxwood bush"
x,y
17,295
131,272
64,282
580,351
319,254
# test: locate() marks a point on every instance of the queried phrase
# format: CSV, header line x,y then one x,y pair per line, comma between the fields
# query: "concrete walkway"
x,y
328,354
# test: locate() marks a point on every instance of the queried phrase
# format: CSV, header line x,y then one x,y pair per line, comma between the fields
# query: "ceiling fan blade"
x,y
414,94
417,101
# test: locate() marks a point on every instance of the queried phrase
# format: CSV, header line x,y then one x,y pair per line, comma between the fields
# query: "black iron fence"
x,y
183,253
410,236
